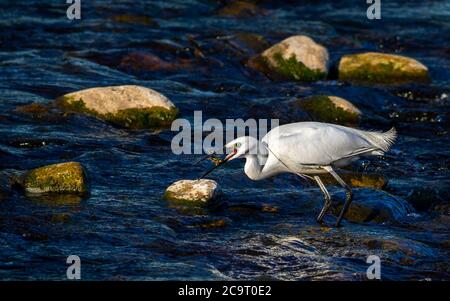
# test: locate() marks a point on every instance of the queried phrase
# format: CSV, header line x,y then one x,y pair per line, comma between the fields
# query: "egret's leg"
x,y
327,204
348,194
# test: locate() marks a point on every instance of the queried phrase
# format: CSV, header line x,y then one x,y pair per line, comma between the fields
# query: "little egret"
x,y
308,149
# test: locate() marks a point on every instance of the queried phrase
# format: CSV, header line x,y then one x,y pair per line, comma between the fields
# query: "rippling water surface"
x,y
125,231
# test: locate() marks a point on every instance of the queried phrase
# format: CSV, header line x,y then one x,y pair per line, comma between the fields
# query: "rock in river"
x,y
331,109
192,192
295,58
133,107
241,9
381,68
356,179
375,206
66,177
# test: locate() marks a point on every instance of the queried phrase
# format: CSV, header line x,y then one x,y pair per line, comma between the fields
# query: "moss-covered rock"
x,y
331,109
132,107
296,58
381,68
192,192
374,206
356,179
66,177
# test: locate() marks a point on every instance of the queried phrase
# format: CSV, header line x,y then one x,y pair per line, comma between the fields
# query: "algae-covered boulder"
x,y
192,192
295,58
66,177
128,106
381,68
331,109
374,206
356,179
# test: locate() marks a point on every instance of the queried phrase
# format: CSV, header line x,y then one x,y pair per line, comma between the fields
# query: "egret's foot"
x,y
319,221
337,225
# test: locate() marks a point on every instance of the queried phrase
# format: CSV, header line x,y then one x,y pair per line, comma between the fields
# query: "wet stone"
x,y
192,192
330,109
128,106
241,9
381,68
374,206
297,58
66,177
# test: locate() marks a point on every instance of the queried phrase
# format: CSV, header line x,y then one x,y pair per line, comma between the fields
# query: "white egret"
x,y
308,149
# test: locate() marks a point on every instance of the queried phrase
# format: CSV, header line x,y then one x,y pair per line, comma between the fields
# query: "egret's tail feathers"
x,y
384,140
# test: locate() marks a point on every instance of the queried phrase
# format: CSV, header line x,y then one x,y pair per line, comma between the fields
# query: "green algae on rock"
x,y
331,109
381,68
192,192
68,177
296,58
129,106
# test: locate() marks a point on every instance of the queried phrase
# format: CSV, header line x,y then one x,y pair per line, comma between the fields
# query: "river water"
x,y
124,231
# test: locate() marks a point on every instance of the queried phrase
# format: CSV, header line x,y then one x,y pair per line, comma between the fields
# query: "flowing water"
x,y
123,230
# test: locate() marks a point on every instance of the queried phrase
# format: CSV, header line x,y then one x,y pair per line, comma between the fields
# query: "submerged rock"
x,y
40,112
295,58
135,19
423,197
137,61
356,179
133,107
241,9
375,206
66,177
249,43
331,109
146,62
381,68
408,251
192,192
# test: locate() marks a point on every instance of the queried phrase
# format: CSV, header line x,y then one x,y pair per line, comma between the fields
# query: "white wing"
x,y
321,144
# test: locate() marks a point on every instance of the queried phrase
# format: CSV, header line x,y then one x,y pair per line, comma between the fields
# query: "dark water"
x,y
125,231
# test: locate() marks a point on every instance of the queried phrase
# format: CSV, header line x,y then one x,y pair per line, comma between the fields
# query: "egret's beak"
x,y
222,162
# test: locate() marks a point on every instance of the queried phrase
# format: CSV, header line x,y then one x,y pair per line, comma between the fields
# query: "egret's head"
x,y
241,146
237,148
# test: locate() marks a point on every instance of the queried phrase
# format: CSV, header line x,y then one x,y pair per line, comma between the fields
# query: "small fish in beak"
x,y
218,162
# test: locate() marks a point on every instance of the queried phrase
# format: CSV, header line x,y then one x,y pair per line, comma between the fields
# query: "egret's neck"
x,y
253,167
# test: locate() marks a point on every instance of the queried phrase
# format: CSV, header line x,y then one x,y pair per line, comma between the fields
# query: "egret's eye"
x,y
237,145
